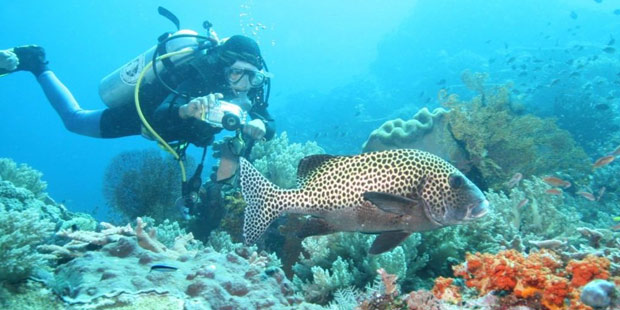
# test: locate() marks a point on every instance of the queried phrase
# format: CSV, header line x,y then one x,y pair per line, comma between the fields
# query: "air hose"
x,y
145,123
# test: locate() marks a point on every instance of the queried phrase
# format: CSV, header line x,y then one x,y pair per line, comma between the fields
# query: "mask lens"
x,y
257,78
235,74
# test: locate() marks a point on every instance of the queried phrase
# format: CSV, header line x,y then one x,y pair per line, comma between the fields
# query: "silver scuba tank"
x,y
118,87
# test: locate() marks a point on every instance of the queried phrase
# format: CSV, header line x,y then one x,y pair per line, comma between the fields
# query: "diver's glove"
x,y
255,129
31,58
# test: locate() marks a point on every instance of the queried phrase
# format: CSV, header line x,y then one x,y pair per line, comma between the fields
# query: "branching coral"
x,y
22,176
541,274
351,250
277,159
20,233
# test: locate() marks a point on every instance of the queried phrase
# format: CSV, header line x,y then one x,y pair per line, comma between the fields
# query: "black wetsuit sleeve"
x,y
262,114
171,127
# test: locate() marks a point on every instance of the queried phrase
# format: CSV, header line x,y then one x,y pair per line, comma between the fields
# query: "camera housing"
x,y
224,114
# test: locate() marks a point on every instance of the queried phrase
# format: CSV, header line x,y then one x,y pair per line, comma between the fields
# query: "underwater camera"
x,y
225,115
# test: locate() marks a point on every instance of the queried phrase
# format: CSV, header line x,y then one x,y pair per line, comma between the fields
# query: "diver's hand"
x,y
255,129
8,60
198,106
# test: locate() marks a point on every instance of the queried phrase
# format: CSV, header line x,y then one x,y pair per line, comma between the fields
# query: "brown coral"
x,y
427,131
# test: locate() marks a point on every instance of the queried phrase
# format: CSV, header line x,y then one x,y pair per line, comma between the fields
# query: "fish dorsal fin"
x,y
387,241
395,204
308,165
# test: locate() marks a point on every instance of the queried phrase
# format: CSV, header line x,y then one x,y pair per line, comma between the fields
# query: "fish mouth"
x,y
478,210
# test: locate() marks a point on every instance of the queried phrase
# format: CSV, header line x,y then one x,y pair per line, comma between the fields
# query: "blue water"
x,y
317,50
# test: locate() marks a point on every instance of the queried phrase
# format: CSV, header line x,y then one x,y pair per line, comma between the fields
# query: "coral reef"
x,y
542,276
486,137
500,143
340,260
125,270
277,159
427,131
143,183
20,234
23,176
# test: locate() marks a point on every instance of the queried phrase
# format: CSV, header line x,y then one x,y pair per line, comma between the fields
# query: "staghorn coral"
x,y
277,159
542,276
501,143
427,131
139,183
22,176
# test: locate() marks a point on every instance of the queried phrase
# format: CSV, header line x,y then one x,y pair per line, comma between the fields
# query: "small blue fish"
x,y
617,11
163,268
573,15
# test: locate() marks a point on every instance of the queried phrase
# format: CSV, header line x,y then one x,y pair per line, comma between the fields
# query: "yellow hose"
x,y
145,123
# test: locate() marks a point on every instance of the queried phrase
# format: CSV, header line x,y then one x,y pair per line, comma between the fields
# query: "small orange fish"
x,y
555,181
554,191
603,161
586,195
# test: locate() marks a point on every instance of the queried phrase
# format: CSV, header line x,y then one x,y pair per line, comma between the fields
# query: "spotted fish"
x,y
392,193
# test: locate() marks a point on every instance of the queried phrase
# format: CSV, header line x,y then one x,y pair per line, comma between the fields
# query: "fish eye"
x,y
456,181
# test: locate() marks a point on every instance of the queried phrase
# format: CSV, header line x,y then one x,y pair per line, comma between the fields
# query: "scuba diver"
x,y
216,87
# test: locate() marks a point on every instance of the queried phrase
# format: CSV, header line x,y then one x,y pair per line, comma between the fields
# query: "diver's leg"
x,y
76,119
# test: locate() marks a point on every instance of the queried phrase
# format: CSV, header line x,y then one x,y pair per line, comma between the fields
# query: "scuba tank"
x,y
117,88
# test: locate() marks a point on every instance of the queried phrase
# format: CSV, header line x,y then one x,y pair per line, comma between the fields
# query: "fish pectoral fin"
x,y
392,203
387,241
314,226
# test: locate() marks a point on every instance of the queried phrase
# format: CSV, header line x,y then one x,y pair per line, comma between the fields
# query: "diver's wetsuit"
x,y
123,120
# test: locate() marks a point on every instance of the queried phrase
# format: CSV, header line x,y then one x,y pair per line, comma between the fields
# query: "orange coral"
x,y
539,274
588,269
445,290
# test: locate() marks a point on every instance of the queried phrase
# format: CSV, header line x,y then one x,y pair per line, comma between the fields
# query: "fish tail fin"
x,y
260,196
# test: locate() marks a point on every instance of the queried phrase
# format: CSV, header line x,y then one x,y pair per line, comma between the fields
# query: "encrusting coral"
x,y
541,276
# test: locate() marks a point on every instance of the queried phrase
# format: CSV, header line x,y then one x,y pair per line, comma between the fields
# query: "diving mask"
x,y
255,77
